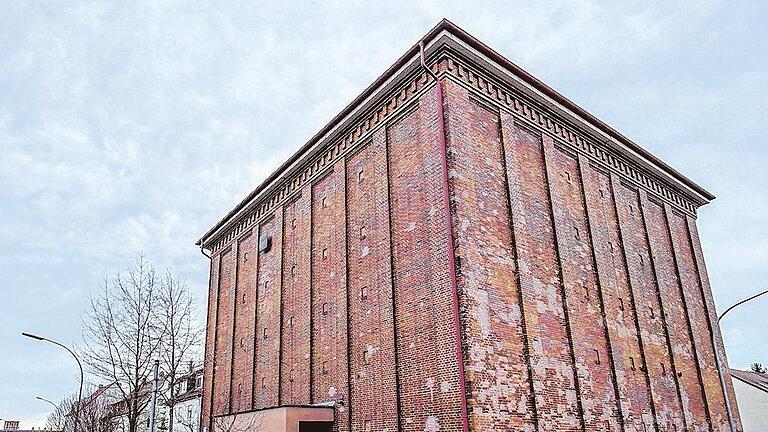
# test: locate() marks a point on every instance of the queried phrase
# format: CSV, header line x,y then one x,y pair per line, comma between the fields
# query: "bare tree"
x,y
122,336
239,422
182,337
95,413
758,368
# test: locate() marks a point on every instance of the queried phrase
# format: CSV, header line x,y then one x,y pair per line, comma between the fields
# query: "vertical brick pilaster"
x,y
295,370
709,304
330,309
210,342
427,359
267,339
496,374
554,383
222,361
653,337
616,299
674,317
372,348
243,340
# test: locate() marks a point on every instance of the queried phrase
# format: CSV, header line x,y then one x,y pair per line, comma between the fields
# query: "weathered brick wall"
x,y
496,370
610,289
372,357
330,360
267,339
223,345
427,360
619,303
550,353
244,340
584,302
297,297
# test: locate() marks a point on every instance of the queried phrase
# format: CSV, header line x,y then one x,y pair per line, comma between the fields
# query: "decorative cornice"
x,y
392,108
398,101
567,135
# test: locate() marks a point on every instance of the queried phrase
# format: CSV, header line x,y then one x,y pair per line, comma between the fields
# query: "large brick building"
x,y
463,248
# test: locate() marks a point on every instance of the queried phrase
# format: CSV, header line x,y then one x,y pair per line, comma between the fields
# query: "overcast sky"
x,y
128,127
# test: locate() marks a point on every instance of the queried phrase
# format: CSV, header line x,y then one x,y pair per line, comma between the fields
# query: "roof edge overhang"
x,y
445,33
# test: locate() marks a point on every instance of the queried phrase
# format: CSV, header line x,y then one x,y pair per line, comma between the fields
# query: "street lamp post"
x,y
718,362
80,392
46,400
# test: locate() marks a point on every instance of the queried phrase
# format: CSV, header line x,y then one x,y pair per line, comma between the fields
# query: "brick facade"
x,y
583,300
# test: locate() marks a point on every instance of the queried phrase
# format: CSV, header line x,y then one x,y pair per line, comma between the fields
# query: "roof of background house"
x,y
369,95
757,380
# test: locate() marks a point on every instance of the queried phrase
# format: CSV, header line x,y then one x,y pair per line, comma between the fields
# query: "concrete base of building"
x,y
309,418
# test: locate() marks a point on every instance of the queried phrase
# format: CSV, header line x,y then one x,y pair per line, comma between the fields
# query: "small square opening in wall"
x,y
325,253
597,357
245,256
325,368
264,333
293,222
265,243
364,293
325,309
290,322
263,382
323,202
363,233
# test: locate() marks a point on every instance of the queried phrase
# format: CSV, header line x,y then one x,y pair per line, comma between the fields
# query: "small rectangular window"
x,y
632,363
325,253
360,174
364,293
325,368
324,202
363,233
597,357
366,357
325,309
264,333
567,176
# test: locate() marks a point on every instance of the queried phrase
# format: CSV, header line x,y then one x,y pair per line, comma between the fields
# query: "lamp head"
x,y
32,336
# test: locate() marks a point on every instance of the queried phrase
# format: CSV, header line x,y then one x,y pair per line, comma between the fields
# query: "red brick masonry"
x,y
584,301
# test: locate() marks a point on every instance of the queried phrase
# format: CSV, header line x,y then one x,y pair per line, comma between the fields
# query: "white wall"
x,y
181,422
753,406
